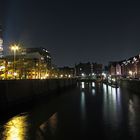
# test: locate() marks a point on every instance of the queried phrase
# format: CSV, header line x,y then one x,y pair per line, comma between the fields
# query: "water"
x,y
90,111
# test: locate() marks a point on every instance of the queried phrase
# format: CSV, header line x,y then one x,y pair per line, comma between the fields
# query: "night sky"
x,y
74,31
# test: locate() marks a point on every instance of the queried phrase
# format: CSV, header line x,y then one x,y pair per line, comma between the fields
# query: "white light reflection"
x,y
118,98
111,105
109,89
93,84
104,88
83,109
114,96
93,92
82,85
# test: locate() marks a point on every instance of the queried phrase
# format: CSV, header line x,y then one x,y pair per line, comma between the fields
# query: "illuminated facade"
x,y
66,72
83,69
25,65
97,68
88,69
115,68
29,66
126,68
43,52
1,43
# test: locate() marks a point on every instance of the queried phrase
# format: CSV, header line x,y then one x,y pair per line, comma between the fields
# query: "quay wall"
x,y
21,91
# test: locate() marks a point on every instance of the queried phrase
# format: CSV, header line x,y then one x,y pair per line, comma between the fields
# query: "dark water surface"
x,y
87,112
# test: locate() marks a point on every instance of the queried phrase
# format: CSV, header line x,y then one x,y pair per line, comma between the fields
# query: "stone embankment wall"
x,y
18,91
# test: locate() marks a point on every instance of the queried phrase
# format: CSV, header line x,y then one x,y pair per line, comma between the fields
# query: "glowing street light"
x,y
14,48
83,75
130,73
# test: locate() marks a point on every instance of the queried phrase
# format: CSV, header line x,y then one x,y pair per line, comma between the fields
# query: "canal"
x,y
89,111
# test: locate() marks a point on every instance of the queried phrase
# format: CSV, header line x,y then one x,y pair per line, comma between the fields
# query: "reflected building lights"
x,y
83,109
16,129
93,92
133,114
104,88
131,107
109,89
53,123
118,97
49,126
111,105
82,85
114,95
93,84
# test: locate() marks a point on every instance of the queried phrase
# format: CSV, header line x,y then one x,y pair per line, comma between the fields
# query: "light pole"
x,y
14,48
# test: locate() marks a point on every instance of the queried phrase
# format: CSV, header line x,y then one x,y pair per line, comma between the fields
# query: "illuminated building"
x,y
43,52
67,72
87,69
28,66
115,68
131,67
1,43
83,69
2,68
31,63
126,68
97,68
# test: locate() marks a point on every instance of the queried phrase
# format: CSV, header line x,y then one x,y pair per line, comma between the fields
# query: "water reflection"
x,y
87,85
93,84
51,124
16,128
111,106
48,128
113,113
134,116
93,92
83,107
104,88
82,85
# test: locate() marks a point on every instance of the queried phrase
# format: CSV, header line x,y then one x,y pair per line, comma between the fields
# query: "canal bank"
x,y
15,92
90,111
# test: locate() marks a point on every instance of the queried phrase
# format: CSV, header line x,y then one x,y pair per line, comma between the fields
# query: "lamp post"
x,y
14,48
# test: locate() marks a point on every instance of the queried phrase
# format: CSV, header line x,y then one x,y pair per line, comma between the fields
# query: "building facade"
x,y
97,68
46,56
126,68
27,64
1,42
83,69
115,68
88,69
66,72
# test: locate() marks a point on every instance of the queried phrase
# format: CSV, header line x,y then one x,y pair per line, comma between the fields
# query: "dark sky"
x,y
74,31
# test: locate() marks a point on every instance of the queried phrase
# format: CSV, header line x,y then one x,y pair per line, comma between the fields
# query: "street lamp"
x,y
14,48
